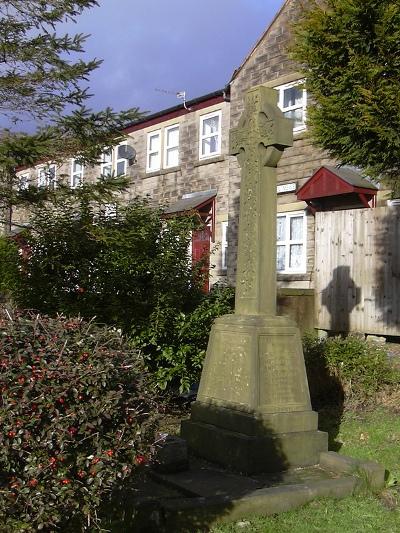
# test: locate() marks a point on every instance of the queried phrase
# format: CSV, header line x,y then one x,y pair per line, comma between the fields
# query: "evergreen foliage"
x,y
9,271
37,76
116,268
42,78
349,52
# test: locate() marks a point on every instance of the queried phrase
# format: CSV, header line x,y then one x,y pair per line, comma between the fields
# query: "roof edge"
x,y
222,93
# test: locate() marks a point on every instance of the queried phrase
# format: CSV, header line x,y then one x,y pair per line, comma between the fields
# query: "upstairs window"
x,y
76,174
171,146
120,160
210,135
47,176
292,102
154,151
291,243
106,163
23,182
114,161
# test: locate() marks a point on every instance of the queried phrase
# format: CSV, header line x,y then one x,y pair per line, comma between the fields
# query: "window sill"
x,y
162,171
281,276
209,160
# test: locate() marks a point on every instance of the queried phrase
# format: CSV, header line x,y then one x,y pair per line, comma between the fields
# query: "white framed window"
x,y
171,146
114,161
110,210
291,230
47,176
23,181
293,103
106,163
210,135
120,163
153,151
76,174
224,245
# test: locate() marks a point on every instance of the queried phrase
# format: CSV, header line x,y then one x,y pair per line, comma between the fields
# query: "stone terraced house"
x,y
182,161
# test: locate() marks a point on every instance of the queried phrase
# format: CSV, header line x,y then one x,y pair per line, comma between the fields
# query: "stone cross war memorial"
x,y
253,411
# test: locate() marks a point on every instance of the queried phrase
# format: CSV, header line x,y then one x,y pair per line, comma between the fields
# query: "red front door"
x,y
201,252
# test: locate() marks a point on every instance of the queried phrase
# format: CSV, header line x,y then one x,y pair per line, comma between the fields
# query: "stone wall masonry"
x,y
168,185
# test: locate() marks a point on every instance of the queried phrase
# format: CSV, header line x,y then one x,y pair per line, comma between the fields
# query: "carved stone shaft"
x,y
258,141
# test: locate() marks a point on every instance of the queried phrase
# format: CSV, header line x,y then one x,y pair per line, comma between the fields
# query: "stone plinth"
x,y
253,411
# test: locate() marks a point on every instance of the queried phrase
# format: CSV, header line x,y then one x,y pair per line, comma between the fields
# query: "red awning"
x,y
331,188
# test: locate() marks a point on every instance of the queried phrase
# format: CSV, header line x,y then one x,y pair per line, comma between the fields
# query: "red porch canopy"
x,y
203,205
331,188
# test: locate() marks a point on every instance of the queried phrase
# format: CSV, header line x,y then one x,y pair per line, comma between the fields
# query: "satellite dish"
x,y
125,151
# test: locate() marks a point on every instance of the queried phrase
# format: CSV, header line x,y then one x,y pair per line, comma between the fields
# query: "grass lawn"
x,y
373,435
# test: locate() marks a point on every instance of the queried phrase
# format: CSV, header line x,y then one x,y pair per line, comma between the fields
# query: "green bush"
x,y
77,417
119,269
357,367
174,344
9,268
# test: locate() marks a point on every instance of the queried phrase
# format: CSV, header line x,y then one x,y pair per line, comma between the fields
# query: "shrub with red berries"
x,y
76,413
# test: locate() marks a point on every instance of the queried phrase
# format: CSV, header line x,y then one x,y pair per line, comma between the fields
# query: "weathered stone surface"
x,y
170,455
256,364
250,454
258,141
253,410
371,474
208,482
199,514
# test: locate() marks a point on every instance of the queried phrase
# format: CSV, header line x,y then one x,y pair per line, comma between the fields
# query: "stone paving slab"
x,y
201,513
205,495
208,482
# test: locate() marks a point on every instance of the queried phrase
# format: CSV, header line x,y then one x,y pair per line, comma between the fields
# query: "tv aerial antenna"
x,y
181,95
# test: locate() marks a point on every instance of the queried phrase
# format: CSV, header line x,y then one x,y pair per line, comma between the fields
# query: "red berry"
x,y
32,482
72,431
65,481
110,453
140,459
81,474
11,434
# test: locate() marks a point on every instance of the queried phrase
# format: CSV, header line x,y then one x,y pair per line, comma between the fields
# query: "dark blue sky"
x,y
172,45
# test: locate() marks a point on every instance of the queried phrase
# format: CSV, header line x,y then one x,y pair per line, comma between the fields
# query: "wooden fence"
x,y
357,270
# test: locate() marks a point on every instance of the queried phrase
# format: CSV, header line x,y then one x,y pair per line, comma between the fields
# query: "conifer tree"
x,y
41,78
350,55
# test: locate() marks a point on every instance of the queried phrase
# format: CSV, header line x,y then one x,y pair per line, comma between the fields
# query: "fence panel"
x,y
357,270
